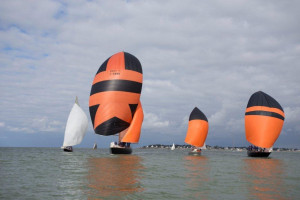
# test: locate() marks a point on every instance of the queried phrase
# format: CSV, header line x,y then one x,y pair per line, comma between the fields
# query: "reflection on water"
x,y
265,178
72,166
197,175
114,176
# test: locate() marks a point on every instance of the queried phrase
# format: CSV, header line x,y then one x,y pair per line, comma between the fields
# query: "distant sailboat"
x,y
264,119
173,147
115,106
95,146
197,131
76,127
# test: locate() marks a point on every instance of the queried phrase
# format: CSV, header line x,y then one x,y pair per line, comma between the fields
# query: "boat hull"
x,y
120,150
258,154
68,149
192,153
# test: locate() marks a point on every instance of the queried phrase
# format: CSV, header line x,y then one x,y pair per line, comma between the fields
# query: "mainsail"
x,y
76,127
264,119
197,129
115,105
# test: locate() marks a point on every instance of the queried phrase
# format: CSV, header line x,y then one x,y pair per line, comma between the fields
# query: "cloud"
x,y
153,121
291,122
2,124
212,55
18,129
36,125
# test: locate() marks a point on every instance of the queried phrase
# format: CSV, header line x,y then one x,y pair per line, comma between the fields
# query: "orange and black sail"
x,y
197,128
263,120
115,95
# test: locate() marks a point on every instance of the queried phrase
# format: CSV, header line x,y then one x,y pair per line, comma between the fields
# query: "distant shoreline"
x,y
178,146
162,146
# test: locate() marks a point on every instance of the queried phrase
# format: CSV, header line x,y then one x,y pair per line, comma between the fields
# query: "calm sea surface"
x,y
50,173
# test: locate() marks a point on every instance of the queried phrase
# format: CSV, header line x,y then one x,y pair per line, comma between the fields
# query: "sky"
x,y
208,54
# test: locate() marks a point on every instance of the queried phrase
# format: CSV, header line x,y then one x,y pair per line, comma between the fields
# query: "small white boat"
x,y
173,147
95,146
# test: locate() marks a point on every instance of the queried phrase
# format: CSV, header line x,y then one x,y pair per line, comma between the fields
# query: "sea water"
x,y
50,173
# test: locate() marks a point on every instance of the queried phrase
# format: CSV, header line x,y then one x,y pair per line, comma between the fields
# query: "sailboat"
x,y
76,127
264,119
197,131
95,146
173,147
115,106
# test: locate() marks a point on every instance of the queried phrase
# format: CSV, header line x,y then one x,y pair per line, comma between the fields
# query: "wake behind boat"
x,y
76,127
264,119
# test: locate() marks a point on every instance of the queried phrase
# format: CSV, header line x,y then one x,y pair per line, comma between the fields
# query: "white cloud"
x,y
291,122
153,121
22,130
2,124
212,55
47,125
292,114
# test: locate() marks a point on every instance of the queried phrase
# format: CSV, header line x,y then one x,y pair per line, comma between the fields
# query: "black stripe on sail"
x,y
133,108
132,63
93,111
103,66
262,99
265,113
117,85
197,114
111,126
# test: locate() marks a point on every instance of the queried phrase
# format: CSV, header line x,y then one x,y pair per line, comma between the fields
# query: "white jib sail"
x,y
76,127
204,146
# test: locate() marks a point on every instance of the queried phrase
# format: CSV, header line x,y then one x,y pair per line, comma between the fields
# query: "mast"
x,y
76,101
122,134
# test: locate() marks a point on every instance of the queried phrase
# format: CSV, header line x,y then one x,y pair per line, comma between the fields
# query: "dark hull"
x,y
120,150
68,149
191,153
258,154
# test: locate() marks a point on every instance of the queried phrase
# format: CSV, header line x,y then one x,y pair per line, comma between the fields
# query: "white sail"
x,y
204,146
269,149
173,147
76,127
95,146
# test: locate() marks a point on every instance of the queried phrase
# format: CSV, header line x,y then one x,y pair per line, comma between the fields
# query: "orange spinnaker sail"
x,y
133,132
197,128
115,94
264,119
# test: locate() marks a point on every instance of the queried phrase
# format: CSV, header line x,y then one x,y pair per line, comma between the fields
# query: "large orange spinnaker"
x,y
264,119
197,128
115,95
